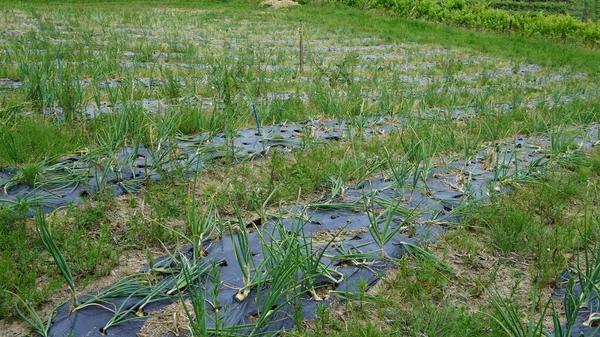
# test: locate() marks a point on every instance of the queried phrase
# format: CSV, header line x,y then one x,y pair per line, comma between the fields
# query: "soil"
x,y
334,235
15,329
277,4
171,320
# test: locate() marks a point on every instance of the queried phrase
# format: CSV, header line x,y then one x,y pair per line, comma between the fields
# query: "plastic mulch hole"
x,y
343,264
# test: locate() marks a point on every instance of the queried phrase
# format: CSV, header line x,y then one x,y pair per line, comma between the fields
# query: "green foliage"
x,y
551,7
40,82
480,15
30,139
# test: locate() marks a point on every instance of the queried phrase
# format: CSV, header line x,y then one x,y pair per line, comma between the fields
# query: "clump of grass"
x,y
9,144
28,174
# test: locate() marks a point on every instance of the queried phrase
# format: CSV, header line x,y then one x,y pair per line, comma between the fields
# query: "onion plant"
x,y
420,154
588,266
65,173
509,318
281,292
143,288
140,284
564,148
311,262
422,254
70,95
40,82
127,312
196,268
30,316
201,226
508,171
252,274
337,187
353,255
198,315
46,236
400,169
571,305
381,221
281,251
22,204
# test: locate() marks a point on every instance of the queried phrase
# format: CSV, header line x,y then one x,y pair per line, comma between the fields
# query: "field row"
x,y
122,169
357,231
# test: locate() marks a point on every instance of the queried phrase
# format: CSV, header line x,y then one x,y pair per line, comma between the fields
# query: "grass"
x,y
193,73
411,307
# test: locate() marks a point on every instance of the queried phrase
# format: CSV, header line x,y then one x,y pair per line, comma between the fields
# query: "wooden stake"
x,y
301,46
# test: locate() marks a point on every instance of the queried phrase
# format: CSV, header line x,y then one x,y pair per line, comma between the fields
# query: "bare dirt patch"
x,y
14,329
277,4
331,235
171,320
